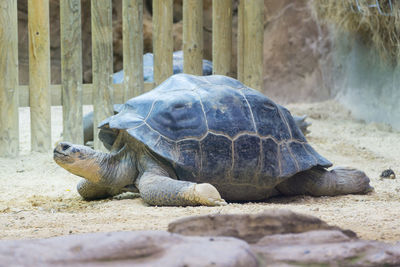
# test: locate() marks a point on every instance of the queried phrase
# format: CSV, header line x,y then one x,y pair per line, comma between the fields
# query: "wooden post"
x,y
162,39
9,134
193,36
222,37
39,74
87,94
102,64
253,38
132,27
240,41
71,70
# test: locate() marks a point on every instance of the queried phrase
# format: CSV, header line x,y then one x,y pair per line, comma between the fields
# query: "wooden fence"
x,y
40,94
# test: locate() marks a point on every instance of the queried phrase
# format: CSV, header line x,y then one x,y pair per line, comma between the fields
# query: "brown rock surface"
x,y
296,53
290,241
141,248
324,248
250,227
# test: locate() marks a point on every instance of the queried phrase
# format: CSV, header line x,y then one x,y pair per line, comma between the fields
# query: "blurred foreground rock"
x,y
250,227
141,248
276,240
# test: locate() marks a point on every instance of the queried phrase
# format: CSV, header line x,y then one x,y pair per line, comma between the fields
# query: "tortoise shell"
x,y
215,129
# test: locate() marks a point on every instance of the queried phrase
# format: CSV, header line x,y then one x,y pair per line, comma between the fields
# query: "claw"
x,y
208,195
214,202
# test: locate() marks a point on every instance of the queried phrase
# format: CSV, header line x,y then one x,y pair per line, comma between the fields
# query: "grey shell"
x,y
214,128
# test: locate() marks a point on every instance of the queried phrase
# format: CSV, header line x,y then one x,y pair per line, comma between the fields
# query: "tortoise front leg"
x,y
92,191
156,189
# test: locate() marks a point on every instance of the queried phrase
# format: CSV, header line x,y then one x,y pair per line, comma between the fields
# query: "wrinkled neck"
x,y
116,169
86,166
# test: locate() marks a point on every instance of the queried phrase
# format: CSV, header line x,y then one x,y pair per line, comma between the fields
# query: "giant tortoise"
x,y
199,140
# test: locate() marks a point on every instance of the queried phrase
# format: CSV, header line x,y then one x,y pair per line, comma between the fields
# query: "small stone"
x,y
388,174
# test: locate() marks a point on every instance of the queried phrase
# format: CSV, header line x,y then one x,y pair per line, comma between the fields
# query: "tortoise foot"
x,y
320,182
350,181
206,194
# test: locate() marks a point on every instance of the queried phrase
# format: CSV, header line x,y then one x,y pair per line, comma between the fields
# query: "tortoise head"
x,y
77,159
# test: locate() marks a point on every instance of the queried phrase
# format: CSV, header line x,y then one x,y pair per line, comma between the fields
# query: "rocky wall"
x,y
364,82
296,48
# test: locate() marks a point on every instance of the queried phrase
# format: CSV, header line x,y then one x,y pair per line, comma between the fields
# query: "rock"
x,y
279,238
250,227
325,247
141,248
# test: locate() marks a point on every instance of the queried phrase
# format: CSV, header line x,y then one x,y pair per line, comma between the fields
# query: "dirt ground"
x,y
39,199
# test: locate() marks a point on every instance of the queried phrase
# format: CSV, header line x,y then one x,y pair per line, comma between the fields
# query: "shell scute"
x,y
226,110
270,162
178,115
247,156
289,166
267,116
216,156
145,135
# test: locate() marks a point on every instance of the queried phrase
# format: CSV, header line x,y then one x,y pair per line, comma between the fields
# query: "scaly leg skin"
x,y
320,182
302,123
92,191
161,190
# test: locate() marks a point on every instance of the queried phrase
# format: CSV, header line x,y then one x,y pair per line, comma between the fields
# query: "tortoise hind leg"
x,y
320,182
302,123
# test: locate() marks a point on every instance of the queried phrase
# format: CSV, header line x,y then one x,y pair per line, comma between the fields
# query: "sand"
x,y
38,198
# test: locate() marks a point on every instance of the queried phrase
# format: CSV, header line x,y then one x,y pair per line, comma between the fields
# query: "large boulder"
x,y
250,227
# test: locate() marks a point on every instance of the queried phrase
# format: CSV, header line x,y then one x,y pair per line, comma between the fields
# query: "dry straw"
x,y
379,28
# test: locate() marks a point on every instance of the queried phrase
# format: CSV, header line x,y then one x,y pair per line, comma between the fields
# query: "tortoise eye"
x,y
65,147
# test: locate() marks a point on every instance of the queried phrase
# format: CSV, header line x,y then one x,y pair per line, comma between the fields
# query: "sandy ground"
x,y
39,199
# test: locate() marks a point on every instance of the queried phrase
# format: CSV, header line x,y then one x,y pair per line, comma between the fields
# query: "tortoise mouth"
x,y
60,157
56,152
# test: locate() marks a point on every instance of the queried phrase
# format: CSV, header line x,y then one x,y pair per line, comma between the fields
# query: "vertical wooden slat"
x,y
39,74
9,140
222,37
132,27
193,36
162,39
71,70
102,64
240,41
251,58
